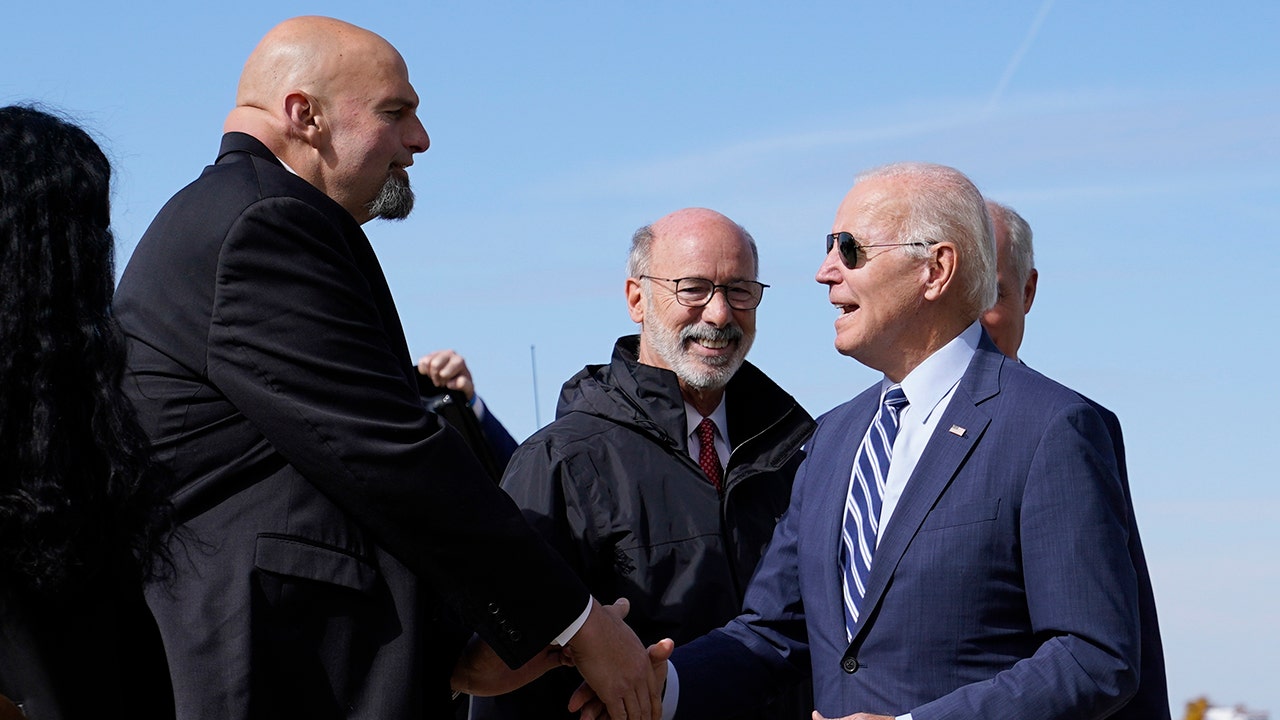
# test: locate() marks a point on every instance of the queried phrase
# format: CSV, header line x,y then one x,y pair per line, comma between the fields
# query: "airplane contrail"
x,y
1016,60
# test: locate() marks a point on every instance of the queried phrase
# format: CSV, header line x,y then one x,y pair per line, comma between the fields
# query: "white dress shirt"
x,y
928,388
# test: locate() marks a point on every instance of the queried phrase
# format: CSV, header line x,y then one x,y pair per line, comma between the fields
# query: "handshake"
x,y
622,679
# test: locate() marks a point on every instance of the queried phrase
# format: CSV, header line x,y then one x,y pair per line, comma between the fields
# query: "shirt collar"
x,y
931,380
718,416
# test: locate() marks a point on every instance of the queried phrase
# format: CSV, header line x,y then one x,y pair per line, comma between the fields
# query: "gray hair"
x,y
943,204
1022,254
642,251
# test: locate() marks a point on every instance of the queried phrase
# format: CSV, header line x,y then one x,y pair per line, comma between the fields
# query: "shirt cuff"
x,y
563,638
671,693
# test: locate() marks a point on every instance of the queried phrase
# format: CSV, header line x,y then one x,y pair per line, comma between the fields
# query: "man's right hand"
x,y
615,664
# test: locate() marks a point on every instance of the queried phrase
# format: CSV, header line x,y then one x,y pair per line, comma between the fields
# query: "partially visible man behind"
x,y
665,471
1016,279
330,525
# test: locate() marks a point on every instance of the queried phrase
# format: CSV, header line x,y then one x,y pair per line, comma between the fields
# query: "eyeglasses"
x,y
697,292
851,250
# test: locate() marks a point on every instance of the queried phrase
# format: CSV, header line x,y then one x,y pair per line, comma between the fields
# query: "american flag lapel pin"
x,y
957,431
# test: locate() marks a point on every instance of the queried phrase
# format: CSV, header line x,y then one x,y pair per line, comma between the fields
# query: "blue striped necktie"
x,y
862,506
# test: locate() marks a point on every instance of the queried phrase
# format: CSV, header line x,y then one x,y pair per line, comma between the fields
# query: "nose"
x,y
829,272
717,311
417,139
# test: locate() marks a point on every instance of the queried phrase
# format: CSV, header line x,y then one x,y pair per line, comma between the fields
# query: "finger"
x,y
594,710
616,708
634,708
432,363
660,651
641,704
654,698
620,608
582,698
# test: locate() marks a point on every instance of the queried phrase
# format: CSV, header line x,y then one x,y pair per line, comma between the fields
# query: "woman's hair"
x,y
78,492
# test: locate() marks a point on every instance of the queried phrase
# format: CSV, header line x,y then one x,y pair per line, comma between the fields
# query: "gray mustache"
x,y
706,332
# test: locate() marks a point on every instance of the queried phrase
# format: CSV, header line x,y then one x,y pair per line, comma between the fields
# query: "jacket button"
x,y
849,664
514,636
494,609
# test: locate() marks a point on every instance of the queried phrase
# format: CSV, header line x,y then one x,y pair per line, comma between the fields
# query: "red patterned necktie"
x,y
708,458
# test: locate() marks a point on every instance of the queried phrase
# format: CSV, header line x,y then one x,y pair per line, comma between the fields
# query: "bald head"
x,y
303,53
333,101
691,222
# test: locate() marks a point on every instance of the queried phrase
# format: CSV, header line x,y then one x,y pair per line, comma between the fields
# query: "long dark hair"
x,y
78,493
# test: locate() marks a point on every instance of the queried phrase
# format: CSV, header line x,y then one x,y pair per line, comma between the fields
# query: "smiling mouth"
x,y
710,344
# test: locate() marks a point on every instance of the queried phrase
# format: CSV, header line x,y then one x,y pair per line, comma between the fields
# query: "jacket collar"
x,y
238,142
648,398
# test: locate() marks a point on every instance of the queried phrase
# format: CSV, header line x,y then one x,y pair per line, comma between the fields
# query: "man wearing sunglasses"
x,y
665,471
956,544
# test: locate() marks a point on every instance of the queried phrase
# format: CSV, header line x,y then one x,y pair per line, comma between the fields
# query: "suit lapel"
x,y
942,459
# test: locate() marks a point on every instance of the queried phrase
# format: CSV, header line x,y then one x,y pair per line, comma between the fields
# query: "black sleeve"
x,y
299,345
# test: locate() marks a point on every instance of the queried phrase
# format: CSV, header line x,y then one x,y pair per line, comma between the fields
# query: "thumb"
x,y
620,607
660,651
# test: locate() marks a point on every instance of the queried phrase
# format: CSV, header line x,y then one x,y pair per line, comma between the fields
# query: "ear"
x,y
940,270
303,117
1029,291
635,300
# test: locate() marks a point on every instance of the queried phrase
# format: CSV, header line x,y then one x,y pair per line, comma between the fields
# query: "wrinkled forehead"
x,y
708,250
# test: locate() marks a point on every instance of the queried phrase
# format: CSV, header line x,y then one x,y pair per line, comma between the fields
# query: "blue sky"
x,y
1140,139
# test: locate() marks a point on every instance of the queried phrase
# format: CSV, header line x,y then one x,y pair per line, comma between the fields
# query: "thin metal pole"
x,y
533,364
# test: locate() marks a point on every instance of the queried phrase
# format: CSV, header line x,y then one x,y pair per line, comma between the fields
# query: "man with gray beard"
x,y
337,544
665,470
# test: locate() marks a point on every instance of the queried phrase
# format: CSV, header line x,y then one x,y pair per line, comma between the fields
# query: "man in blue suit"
x,y
956,544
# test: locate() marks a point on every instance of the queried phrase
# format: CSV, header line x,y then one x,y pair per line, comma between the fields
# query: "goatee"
x,y
394,201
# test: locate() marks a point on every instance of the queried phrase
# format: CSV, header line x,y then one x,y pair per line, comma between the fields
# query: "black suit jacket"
x,y
330,525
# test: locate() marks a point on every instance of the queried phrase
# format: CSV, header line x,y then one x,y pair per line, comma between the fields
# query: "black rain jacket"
x,y
612,486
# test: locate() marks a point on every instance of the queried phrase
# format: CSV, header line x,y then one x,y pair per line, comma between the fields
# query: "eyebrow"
x,y
399,101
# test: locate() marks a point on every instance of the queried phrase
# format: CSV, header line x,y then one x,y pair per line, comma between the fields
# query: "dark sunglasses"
x,y
851,251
